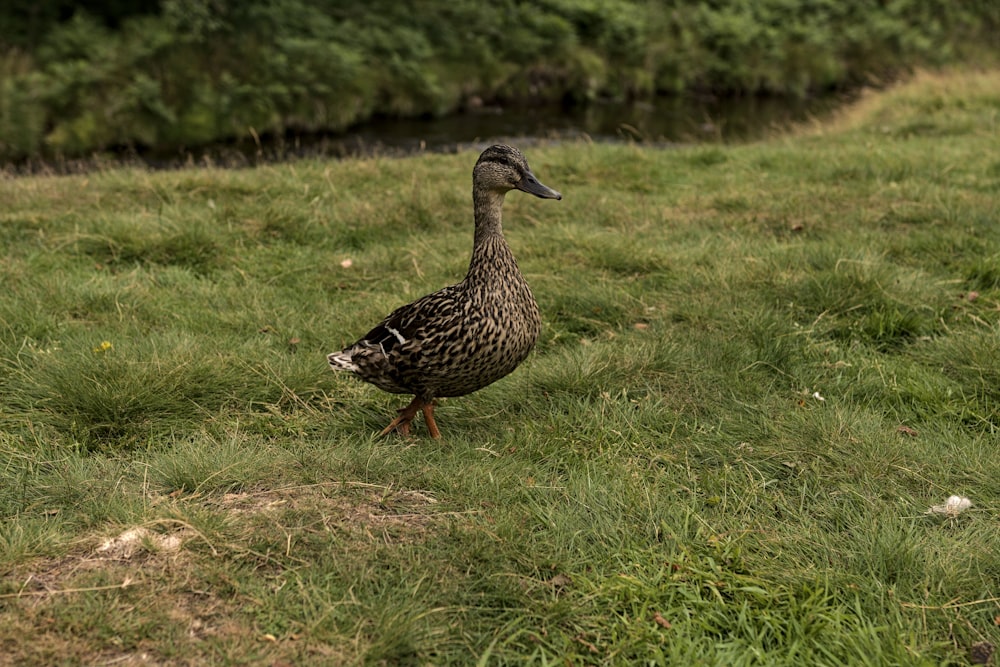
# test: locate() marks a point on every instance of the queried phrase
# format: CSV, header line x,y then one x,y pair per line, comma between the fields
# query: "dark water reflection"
x,y
662,121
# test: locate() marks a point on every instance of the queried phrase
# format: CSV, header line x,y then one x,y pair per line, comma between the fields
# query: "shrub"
x,y
196,71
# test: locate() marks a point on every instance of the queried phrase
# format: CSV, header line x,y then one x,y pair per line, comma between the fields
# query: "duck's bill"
x,y
531,185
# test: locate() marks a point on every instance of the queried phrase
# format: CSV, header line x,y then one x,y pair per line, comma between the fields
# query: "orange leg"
x,y
432,426
406,415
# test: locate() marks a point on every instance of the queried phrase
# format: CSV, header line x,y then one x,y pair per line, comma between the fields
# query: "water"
x,y
661,121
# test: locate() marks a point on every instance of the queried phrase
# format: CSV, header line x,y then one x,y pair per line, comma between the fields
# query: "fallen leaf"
x,y
641,326
660,621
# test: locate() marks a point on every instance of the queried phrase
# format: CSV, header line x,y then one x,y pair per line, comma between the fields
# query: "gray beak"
x,y
531,185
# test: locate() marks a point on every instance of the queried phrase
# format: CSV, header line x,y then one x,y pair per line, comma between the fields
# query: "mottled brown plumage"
x,y
465,336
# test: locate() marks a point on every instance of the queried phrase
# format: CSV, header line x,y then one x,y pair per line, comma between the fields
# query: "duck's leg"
x,y
406,415
432,427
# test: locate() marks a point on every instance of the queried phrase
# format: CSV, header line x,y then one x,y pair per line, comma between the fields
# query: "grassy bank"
x,y
760,366
184,73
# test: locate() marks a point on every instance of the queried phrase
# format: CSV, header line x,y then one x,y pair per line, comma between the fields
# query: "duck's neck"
x,y
489,247
488,206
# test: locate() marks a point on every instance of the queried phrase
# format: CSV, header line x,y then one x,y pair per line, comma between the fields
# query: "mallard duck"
x,y
465,336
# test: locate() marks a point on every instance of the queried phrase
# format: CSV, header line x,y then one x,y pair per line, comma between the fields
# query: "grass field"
x,y
760,366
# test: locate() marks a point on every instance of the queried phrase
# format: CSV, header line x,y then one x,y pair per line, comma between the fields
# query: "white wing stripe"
x,y
396,333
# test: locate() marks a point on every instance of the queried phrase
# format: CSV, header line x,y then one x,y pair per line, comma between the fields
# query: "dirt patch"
x,y
375,512
84,608
137,540
137,598
175,590
124,556
381,513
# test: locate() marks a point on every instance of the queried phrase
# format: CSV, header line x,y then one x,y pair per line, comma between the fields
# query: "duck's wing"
x,y
390,356
415,325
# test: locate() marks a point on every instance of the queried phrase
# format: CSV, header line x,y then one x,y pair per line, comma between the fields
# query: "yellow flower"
x,y
104,346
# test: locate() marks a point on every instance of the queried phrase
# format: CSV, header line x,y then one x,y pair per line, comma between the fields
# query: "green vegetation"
x,y
761,365
186,72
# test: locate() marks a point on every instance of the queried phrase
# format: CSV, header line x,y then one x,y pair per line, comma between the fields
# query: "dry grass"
x,y
928,96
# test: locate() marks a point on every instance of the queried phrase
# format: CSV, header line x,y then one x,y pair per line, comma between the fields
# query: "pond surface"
x,y
664,120
661,121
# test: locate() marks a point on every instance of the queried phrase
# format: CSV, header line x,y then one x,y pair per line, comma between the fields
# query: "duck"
x,y
466,336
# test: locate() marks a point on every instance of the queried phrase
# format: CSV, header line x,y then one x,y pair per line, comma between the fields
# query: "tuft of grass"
x,y
207,463
761,365
115,395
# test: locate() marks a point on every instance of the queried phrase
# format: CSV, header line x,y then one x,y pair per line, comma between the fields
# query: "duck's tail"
x,y
342,361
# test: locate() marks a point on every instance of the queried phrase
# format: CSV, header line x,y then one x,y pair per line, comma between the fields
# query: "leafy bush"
x,y
187,72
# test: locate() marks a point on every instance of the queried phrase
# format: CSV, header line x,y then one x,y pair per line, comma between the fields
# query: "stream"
x,y
662,121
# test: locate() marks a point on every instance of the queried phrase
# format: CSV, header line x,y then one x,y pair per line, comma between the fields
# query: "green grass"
x,y
701,464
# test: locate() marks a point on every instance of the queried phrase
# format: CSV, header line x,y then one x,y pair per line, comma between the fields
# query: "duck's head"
x,y
502,168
